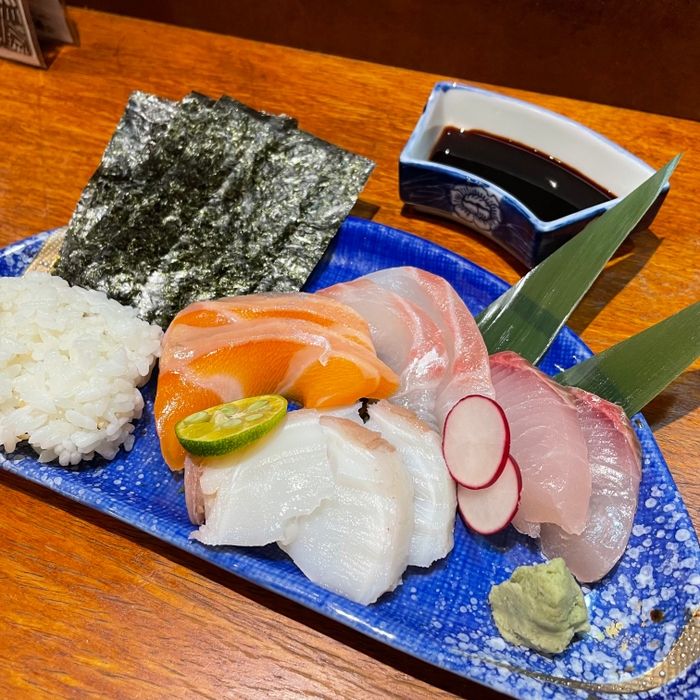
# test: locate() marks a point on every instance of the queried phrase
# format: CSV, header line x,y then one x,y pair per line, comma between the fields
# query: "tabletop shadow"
x,y
678,399
409,212
628,261
364,210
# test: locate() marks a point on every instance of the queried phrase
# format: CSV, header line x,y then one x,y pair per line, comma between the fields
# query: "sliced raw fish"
x,y
253,496
357,542
614,454
323,311
404,337
309,363
420,447
435,499
352,412
468,368
548,444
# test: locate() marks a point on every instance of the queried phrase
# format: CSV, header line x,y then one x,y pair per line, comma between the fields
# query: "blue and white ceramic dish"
x,y
440,615
486,208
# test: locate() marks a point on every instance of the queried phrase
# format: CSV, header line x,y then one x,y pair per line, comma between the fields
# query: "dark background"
x,y
641,54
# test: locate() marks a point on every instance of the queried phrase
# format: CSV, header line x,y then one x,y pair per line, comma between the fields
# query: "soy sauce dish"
x,y
527,178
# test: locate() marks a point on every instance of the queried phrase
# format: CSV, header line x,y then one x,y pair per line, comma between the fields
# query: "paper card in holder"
x,y
23,23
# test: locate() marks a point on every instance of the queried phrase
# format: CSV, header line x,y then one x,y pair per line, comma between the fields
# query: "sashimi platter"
x,y
215,352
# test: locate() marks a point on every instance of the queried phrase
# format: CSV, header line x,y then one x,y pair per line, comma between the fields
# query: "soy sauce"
x,y
549,188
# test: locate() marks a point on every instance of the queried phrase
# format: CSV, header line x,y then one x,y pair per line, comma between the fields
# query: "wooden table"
x,y
92,607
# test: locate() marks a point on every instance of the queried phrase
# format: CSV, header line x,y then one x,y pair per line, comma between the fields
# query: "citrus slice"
x,y
229,426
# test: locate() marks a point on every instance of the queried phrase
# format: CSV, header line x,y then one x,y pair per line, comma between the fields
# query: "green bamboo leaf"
x,y
635,370
527,318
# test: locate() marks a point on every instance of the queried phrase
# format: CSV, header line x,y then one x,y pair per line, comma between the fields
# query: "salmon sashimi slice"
x,y
405,338
308,363
468,364
306,307
615,458
548,444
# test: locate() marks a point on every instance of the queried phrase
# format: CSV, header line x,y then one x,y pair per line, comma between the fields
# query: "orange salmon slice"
x,y
308,362
305,307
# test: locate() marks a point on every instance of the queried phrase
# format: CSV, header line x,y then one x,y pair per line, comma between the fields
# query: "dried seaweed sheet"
x,y
201,199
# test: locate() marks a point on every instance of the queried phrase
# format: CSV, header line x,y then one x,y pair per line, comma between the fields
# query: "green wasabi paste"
x,y
540,607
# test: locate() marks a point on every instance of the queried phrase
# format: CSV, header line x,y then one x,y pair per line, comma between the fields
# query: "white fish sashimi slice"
x,y
404,337
351,412
420,447
547,443
614,454
435,499
356,543
253,496
468,368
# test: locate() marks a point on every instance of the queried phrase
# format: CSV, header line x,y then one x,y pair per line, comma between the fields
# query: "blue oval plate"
x,y
440,615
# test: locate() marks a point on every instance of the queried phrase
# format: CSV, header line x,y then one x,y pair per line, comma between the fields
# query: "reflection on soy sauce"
x,y
549,188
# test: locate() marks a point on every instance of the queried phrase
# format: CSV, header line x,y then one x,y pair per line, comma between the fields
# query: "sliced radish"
x,y
489,510
476,441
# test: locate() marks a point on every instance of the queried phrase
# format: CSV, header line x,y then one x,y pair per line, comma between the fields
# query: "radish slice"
x,y
489,510
476,441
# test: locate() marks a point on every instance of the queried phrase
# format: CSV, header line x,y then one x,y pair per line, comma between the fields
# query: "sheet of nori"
x,y
201,199
121,177
107,245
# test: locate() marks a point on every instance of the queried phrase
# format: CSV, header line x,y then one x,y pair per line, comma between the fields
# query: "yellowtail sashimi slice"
x,y
435,500
254,496
357,542
548,444
614,454
468,369
405,338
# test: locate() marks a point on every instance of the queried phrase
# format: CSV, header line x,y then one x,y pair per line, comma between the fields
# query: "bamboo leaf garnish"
x,y
632,372
527,318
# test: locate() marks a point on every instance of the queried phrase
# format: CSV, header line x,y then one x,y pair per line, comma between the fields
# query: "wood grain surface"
x,y
94,608
567,48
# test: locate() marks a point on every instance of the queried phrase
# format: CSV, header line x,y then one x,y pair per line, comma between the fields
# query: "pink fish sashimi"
x,y
548,444
468,368
614,454
405,338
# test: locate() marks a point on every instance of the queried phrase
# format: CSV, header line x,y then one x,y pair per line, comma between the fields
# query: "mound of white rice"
x,y
70,363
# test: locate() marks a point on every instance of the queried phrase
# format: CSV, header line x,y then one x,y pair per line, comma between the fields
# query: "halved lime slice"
x,y
222,429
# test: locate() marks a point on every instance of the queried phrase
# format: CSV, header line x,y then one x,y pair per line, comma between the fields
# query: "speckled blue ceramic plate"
x,y
440,616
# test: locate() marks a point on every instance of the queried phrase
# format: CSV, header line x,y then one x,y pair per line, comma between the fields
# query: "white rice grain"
x,y
70,363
